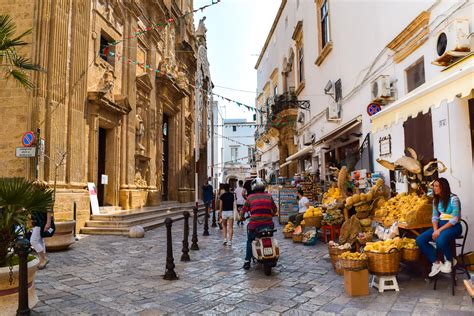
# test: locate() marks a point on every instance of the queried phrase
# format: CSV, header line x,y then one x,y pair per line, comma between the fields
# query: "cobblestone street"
x,y
114,275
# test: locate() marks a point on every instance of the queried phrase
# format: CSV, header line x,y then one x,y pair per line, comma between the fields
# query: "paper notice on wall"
x,y
93,198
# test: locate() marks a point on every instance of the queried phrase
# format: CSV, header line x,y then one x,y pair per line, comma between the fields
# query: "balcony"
x,y
283,102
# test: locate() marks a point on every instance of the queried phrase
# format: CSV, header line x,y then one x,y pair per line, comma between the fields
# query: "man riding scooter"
x,y
262,208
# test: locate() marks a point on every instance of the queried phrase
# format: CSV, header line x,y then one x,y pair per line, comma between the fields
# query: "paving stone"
x,y
91,280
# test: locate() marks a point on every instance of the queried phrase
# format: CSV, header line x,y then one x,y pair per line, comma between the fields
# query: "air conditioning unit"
x,y
334,112
308,138
452,42
380,88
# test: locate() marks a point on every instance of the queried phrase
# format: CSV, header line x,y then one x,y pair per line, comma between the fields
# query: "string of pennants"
x,y
145,67
233,140
232,162
160,25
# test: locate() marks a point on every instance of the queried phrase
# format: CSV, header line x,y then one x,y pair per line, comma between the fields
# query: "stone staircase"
x,y
119,222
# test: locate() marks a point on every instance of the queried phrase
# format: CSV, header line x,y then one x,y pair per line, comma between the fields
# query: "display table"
x,y
416,230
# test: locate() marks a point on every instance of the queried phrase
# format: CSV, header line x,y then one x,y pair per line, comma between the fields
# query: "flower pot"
x,y
63,236
9,293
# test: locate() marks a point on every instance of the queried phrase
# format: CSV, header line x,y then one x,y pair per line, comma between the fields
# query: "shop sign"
x,y
385,144
25,152
93,198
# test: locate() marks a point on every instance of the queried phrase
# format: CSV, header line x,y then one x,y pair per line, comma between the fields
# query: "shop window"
x,y
415,75
107,50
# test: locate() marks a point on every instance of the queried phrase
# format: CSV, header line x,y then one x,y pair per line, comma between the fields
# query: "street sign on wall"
x,y
25,152
28,139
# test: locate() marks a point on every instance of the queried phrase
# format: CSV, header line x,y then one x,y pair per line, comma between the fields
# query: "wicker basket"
x,y
352,265
384,263
297,237
313,221
288,234
334,254
410,254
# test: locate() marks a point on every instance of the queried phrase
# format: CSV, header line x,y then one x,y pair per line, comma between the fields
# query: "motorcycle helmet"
x,y
258,185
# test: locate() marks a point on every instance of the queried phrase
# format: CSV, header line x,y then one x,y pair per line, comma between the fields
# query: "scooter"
x,y
265,249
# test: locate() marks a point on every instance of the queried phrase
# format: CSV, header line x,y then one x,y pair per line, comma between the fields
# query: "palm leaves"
x,y
19,198
11,64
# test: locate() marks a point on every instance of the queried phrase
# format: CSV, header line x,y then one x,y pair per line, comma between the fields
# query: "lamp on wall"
x,y
328,88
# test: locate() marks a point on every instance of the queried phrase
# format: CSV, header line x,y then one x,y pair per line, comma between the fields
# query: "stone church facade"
x,y
105,107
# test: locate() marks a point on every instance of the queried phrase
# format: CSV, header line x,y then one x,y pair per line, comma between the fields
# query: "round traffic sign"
x,y
373,108
28,139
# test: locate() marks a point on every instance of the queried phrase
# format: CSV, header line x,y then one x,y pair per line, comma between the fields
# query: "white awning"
x,y
455,81
340,130
286,163
301,153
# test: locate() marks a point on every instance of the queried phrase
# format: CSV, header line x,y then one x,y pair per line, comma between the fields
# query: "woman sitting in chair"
x,y
446,228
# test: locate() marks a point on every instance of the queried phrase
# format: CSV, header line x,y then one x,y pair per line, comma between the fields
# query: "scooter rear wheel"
x,y
267,269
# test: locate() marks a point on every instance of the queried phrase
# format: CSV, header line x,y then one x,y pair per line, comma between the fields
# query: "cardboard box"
x,y
356,282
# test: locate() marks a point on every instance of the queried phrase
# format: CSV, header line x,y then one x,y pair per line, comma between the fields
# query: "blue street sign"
x,y
28,139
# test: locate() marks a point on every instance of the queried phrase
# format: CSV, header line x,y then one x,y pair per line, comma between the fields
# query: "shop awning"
x,y
340,130
455,81
286,163
301,153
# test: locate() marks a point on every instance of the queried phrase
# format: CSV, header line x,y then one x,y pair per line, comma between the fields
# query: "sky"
x,y
236,33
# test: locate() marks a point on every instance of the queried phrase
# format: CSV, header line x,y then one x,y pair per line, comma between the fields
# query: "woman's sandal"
x,y
41,267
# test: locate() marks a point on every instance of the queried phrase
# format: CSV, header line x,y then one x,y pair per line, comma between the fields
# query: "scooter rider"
x,y
262,208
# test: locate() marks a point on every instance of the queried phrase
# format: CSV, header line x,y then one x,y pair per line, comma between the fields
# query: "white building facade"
x,y
342,56
238,148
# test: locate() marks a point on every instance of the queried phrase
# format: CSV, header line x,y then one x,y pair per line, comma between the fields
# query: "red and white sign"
x,y
93,198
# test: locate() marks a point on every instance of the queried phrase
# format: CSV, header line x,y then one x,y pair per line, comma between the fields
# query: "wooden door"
x,y
419,136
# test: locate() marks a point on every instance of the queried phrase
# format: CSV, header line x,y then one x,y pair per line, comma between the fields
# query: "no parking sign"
x,y
28,139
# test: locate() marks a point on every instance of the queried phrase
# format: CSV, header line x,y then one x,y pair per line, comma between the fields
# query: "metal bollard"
x,y
206,223
185,255
214,224
169,274
74,215
194,245
22,249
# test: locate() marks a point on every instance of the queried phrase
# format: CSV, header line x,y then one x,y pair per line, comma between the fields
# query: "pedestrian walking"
x,y
227,214
240,195
207,192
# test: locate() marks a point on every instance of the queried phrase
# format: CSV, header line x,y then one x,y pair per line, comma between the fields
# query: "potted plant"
x,y
19,199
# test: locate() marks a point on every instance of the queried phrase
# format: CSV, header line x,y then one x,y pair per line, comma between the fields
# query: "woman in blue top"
x,y
446,227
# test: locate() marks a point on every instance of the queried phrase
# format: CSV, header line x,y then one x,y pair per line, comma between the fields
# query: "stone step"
x,y
148,218
124,230
135,220
136,213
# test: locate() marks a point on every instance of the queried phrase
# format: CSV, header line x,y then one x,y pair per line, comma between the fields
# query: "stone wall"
x,y
78,94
